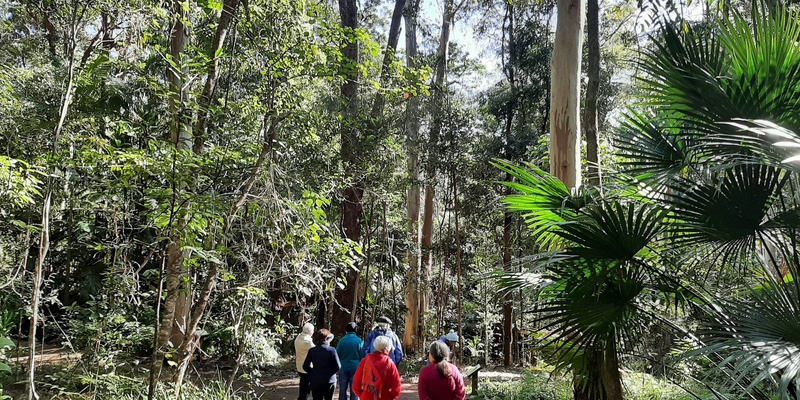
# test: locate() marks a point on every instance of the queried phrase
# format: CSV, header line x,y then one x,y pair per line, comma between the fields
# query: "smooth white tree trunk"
x,y
565,133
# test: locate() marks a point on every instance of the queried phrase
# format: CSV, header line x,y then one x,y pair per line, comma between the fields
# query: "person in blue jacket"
x,y
383,327
349,350
322,364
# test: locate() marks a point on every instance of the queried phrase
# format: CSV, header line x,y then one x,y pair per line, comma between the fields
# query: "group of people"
x,y
367,370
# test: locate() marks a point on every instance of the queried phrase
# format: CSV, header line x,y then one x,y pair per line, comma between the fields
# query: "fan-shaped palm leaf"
x,y
614,231
650,151
729,210
759,336
544,201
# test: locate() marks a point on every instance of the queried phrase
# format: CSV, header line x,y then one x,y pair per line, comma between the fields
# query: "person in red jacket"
x,y
440,380
377,376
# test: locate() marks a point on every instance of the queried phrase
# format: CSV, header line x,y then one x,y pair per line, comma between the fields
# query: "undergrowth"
x,y
77,385
541,385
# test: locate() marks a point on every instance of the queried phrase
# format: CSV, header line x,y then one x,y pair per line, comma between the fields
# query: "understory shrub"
x,y
110,334
80,384
541,385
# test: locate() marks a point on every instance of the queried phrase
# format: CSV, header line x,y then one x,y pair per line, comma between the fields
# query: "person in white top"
x,y
303,343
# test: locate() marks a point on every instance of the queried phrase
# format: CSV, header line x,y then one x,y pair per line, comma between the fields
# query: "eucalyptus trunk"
x,y
565,143
439,83
416,282
508,298
388,56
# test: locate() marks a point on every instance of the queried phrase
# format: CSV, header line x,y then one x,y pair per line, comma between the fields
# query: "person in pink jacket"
x,y
440,380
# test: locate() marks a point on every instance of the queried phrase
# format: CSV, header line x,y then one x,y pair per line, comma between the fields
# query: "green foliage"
x,y
110,334
539,384
77,384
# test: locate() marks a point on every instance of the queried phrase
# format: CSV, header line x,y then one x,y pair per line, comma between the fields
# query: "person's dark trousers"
x,y
305,386
322,391
346,384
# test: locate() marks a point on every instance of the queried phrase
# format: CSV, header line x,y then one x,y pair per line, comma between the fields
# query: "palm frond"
x,y
652,152
544,201
728,210
613,231
758,337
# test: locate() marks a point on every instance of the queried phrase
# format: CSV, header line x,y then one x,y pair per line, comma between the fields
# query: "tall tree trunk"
x,y
388,56
176,305
354,192
565,148
590,123
565,151
229,9
508,298
459,271
189,339
44,235
416,282
436,128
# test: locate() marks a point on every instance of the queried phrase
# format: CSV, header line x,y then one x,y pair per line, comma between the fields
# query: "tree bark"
x,y
176,305
229,9
592,88
416,282
459,272
388,56
508,298
565,148
612,380
193,314
353,208
438,88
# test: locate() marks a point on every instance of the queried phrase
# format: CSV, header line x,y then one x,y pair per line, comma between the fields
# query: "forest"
x,y
597,198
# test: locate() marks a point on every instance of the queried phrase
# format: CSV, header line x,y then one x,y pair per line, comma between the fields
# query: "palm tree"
x,y
597,280
709,179
716,150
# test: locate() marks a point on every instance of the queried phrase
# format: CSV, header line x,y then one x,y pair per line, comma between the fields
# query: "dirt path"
x,y
286,389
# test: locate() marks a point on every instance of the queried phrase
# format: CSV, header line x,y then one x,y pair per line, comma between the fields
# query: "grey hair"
x,y
382,343
308,328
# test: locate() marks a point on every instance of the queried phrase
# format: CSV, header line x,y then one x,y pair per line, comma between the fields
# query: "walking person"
x,y
377,376
383,327
440,380
349,350
302,344
322,364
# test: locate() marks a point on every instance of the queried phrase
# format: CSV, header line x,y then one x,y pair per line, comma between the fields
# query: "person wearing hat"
x,y
383,327
302,344
322,364
450,339
349,350
440,380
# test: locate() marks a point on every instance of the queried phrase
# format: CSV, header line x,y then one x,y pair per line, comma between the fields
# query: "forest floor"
x,y
279,383
286,389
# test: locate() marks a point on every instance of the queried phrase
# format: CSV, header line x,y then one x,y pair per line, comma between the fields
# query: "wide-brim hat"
x,y
383,320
